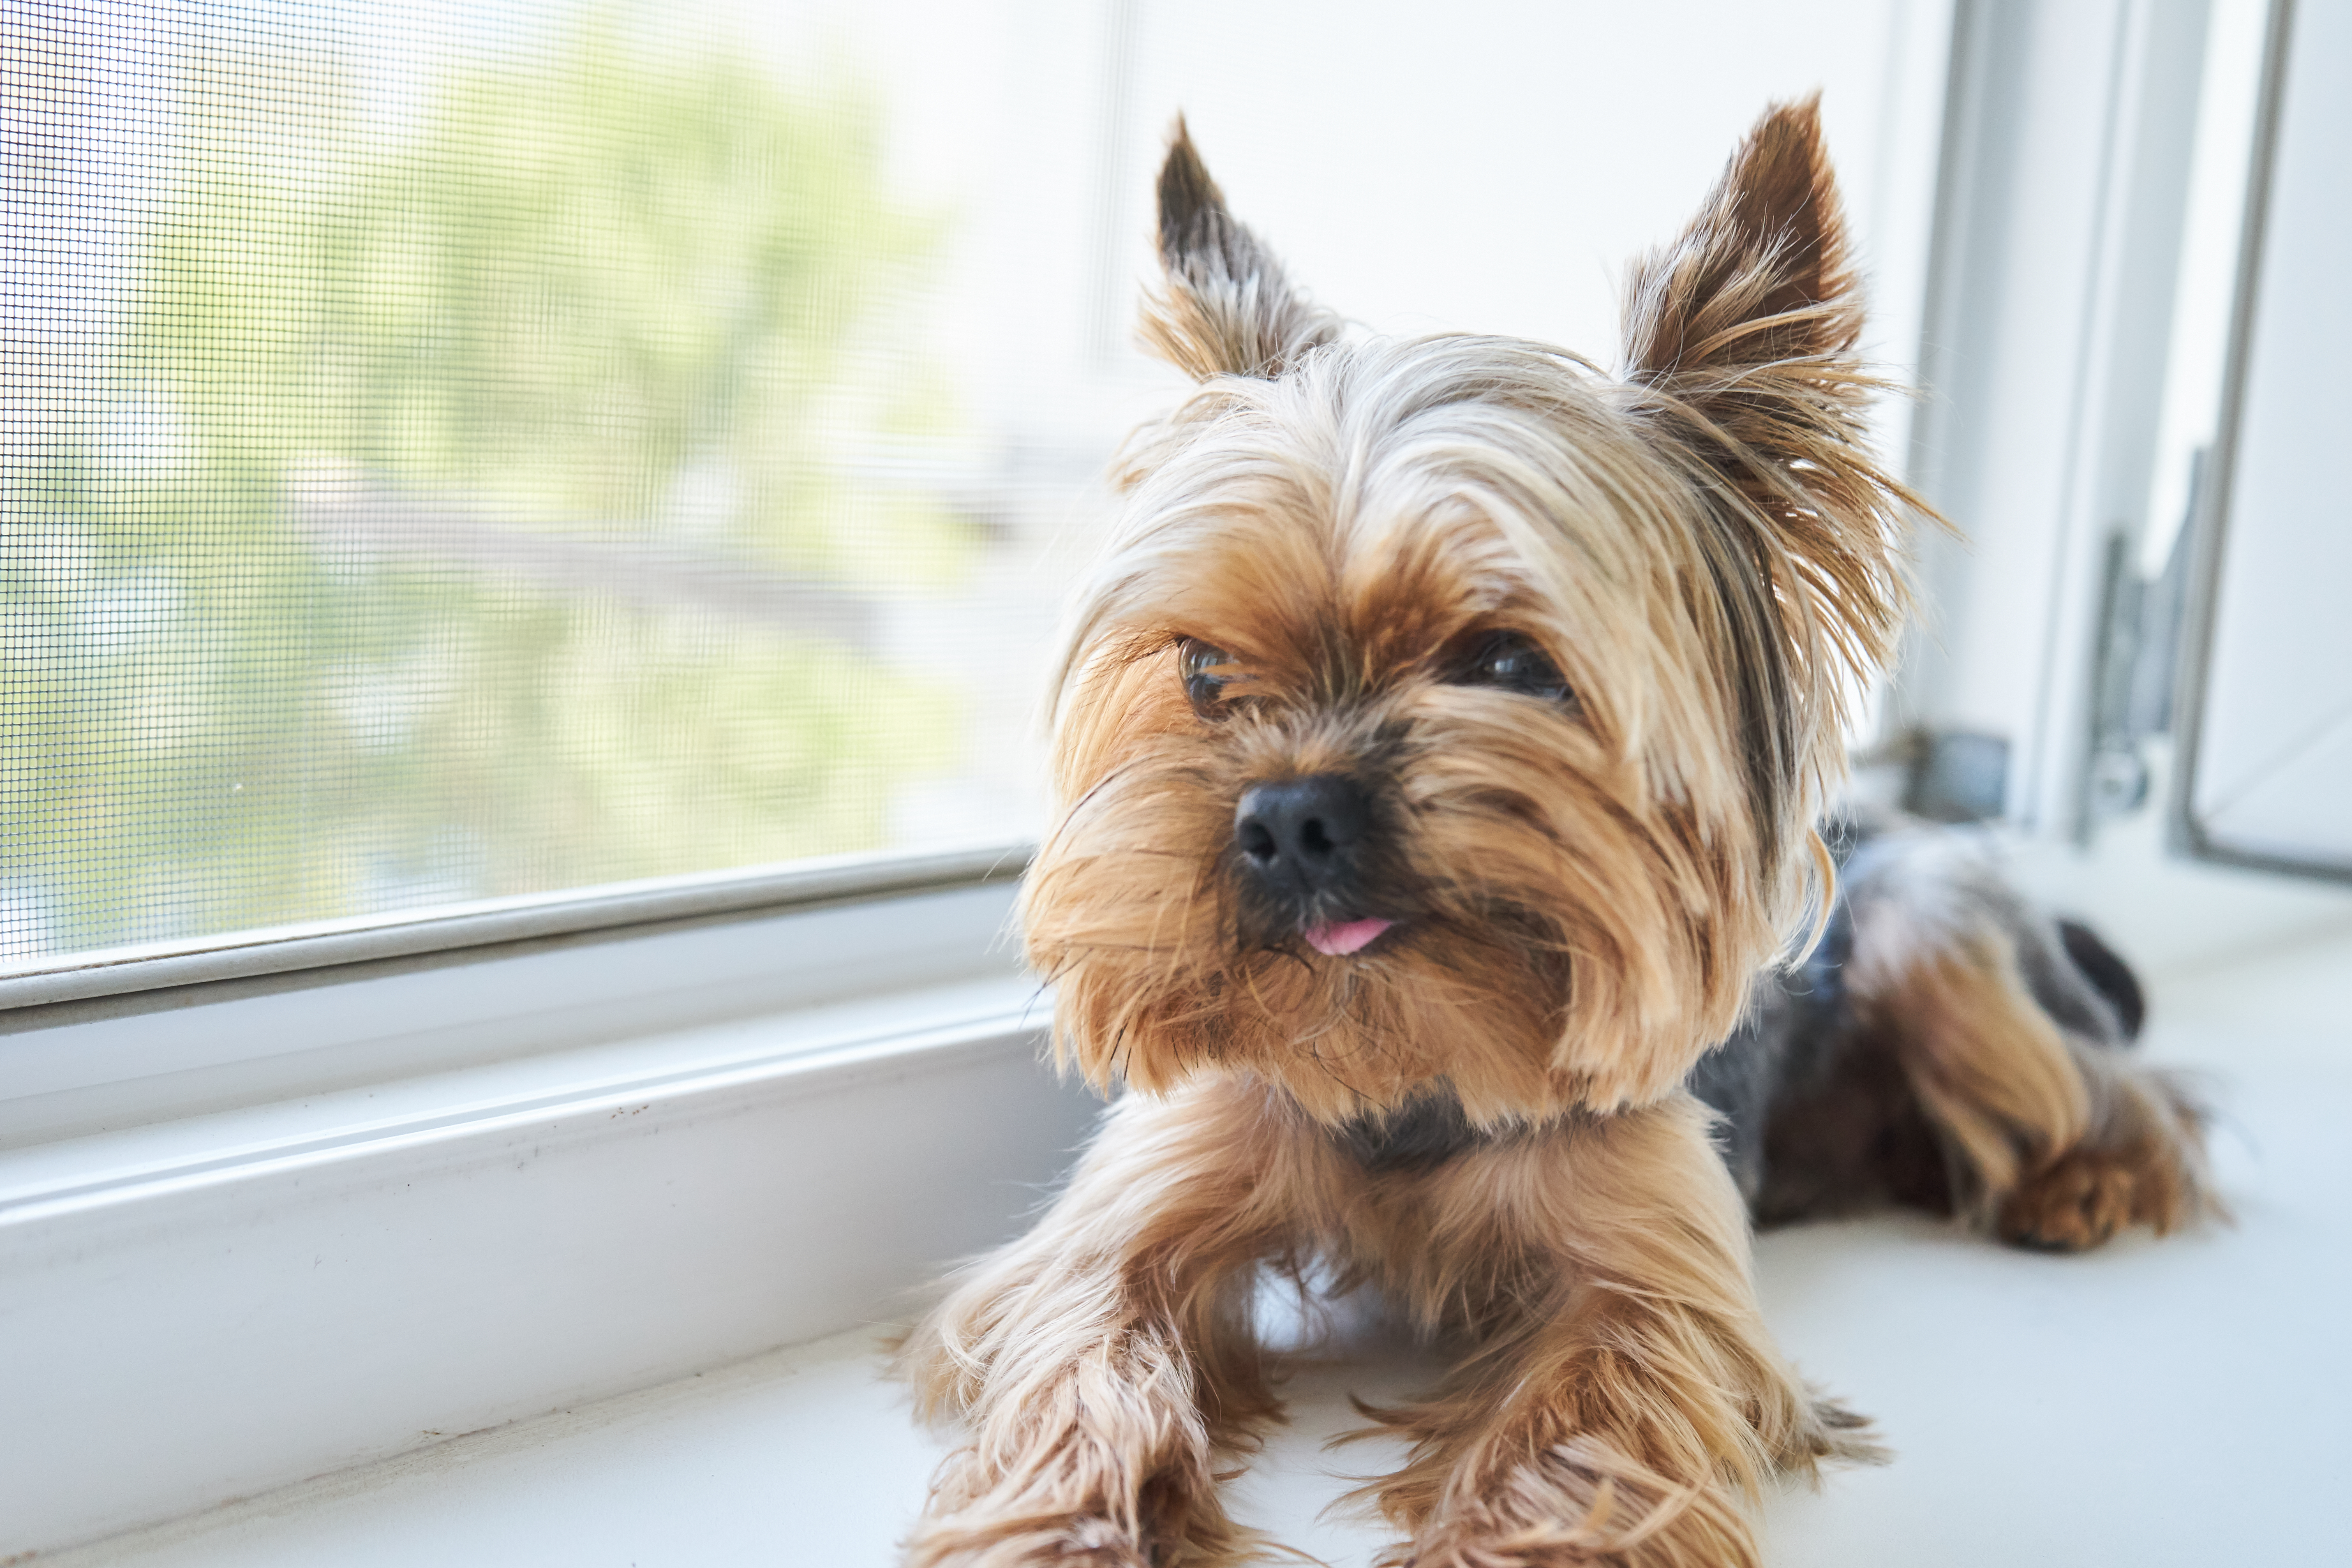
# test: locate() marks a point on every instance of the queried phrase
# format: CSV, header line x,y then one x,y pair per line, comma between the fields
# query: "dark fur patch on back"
x,y
2109,975
1796,1024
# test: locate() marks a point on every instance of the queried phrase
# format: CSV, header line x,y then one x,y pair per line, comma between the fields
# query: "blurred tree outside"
x,y
479,502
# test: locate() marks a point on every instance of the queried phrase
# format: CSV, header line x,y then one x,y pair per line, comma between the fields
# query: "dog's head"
x,y
1448,710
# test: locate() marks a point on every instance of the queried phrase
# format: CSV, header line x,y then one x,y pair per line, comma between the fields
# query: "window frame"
x,y
2051,284
609,908
2210,521
133,1037
920,1067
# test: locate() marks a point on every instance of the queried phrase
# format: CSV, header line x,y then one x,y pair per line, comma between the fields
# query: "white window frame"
x,y
2190,831
2052,274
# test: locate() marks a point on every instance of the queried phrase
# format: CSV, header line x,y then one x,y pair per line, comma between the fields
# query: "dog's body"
x,y
1838,1092
1814,1090
1442,744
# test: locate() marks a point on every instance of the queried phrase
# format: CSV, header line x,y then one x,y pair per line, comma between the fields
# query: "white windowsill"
x,y
268,1229
2137,1405
613,1077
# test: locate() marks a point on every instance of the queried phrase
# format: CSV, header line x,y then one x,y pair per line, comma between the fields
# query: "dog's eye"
x,y
1208,672
1512,661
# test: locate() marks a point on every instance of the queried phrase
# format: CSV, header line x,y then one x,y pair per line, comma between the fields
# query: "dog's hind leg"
x,y
1102,1366
2055,1136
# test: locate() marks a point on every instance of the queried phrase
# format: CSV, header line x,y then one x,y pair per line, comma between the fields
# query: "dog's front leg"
x,y
1625,1401
1103,1364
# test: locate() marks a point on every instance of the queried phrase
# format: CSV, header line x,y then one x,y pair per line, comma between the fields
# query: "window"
x,y
463,452
473,451
455,457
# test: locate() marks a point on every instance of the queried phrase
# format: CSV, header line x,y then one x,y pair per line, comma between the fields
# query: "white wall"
x,y
1492,167
1484,166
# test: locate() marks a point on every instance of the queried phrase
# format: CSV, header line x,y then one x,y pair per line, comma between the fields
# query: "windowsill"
x,y
609,1077
2039,1407
265,1231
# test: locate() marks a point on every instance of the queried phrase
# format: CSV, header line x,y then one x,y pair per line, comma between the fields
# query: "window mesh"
x,y
458,449
457,452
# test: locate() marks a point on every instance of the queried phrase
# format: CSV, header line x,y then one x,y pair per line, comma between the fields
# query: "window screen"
x,y
465,450
470,448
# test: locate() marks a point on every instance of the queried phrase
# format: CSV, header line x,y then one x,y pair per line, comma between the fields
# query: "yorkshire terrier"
x,y
1441,744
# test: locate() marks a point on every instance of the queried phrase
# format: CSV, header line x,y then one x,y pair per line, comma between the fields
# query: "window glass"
x,y
457,450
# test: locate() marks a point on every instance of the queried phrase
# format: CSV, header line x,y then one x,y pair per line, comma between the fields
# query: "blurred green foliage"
x,y
283,640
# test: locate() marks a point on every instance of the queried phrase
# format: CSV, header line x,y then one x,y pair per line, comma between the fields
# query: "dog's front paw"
x,y
1066,1540
1579,1504
1061,1506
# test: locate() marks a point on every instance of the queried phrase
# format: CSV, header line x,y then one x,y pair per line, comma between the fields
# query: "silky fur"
x,y
1585,892
2056,1138
1702,544
1616,1395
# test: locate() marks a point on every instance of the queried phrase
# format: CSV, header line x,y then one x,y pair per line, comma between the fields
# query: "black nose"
x,y
1303,835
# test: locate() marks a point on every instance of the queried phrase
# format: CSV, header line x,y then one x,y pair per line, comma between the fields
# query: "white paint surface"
x,y
2159,1403
174,1336
2275,734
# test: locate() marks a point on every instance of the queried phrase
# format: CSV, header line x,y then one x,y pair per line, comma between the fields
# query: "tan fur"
x,y
1677,541
1990,1069
1599,1268
1585,891
1624,1395
1104,1360
2057,1141
1228,307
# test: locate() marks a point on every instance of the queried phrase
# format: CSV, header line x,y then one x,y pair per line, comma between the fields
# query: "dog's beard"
x,y
1558,940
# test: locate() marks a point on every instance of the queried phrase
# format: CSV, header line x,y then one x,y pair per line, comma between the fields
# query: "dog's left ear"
x,y
1227,310
1745,327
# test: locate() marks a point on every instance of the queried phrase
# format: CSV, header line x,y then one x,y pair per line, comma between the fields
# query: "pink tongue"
x,y
1341,938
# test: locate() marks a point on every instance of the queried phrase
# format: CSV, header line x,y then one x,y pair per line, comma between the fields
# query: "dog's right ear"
x,y
1227,308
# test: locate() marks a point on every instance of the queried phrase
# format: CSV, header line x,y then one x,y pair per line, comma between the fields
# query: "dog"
x,y
1444,744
